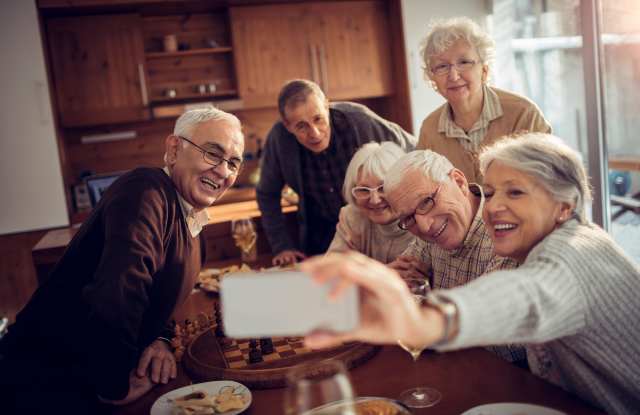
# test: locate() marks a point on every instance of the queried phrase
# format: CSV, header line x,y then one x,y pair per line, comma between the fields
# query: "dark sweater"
x,y
281,164
115,288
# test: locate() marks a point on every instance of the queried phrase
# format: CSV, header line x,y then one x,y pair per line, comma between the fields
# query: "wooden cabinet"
x,y
343,46
98,69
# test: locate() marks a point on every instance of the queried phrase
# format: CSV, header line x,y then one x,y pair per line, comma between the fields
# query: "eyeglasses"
x,y
424,207
461,66
215,159
364,192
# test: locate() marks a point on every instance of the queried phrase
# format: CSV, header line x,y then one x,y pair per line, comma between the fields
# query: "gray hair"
x,y
296,92
434,166
444,33
371,159
552,163
189,120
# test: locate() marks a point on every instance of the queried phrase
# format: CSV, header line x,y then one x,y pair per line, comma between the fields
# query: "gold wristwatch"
x,y
449,311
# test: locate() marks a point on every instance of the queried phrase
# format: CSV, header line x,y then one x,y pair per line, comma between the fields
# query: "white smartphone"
x,y
283,303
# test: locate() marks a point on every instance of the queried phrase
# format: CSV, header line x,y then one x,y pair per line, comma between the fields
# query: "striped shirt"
x,y
472,259
574,302
491,109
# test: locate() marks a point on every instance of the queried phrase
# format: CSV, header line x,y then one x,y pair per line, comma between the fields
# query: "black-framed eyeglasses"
x,y
364,192
461,66
215,159
425,206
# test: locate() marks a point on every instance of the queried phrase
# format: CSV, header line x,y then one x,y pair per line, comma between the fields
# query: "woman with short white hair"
x,y
367,224
573,302
457,55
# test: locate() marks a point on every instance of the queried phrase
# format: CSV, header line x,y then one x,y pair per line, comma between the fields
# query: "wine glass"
x,y
244,234
420,396
319,388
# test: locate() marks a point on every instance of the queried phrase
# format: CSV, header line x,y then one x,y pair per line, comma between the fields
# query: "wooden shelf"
x,y
191,52
218,93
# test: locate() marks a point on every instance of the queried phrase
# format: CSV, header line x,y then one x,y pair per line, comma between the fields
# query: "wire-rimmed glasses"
x,y
425,206
215,159
463,65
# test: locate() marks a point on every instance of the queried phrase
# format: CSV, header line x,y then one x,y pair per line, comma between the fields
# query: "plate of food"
x,y
512,408
364,405
209,278
217,397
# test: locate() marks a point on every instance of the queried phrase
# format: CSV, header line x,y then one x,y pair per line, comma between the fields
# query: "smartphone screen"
x,y
287,303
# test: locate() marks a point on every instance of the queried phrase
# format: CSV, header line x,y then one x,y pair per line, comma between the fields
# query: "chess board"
x,y
209,357
236,352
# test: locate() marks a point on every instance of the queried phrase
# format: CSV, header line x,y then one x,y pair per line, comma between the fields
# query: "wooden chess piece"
x,y
255,355
266,345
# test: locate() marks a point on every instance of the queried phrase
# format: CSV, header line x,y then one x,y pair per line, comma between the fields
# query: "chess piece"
x,y
219,328
266,345
255,355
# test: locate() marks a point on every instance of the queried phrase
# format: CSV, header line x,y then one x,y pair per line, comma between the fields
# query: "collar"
x,y
491,110
196,220
477,222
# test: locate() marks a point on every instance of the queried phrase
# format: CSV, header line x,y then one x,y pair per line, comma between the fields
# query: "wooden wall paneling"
x,y
270,46
352,42
95,62
17,273
401,100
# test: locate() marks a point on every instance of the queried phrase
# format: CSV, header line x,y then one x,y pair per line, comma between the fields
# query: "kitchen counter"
x,y
235,204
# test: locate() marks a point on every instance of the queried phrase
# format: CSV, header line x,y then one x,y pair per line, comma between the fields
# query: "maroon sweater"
x,y
114,290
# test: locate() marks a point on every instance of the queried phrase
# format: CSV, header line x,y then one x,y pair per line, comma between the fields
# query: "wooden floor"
x,y
17,273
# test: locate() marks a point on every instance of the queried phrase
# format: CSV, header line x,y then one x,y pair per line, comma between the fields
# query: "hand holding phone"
x,y
284,303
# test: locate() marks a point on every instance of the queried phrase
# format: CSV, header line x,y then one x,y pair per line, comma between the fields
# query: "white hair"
x,y
548,160
432,165
189,120
371,159
443,34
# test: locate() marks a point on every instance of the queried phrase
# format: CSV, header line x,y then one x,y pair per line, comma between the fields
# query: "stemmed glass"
x,y
319,388
245,237
420,396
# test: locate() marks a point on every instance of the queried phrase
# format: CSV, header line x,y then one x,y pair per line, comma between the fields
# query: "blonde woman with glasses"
x,y
456,58
367,224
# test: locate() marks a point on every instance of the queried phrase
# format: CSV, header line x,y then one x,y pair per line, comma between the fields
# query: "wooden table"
x,y
465,378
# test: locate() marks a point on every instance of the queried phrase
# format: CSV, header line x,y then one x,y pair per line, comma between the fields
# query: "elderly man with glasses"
x,y
434,201
99,326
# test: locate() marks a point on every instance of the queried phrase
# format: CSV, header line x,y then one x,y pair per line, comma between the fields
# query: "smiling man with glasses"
x,y
435,202
133,261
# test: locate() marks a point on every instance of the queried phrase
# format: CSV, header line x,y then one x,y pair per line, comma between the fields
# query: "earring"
x,y
433,85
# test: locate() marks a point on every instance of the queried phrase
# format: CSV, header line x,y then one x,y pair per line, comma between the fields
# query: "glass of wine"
x,y
245,237
420,396
319,388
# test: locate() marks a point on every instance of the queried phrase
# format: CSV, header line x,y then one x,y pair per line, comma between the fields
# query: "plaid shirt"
x,y
474,258
323,173
491,109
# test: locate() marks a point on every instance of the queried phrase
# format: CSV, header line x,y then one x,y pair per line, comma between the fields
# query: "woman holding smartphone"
x,y
573,302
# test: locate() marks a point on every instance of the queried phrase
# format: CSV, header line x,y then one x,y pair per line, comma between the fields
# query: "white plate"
x,y
163,405
509,408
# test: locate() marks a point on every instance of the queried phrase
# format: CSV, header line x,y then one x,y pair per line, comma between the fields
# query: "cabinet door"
x,y
271,46
352,41
98,69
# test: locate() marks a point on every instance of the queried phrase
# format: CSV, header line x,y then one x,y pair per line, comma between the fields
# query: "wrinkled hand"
x,y
388,312
409,267
158,363
138,386
288,257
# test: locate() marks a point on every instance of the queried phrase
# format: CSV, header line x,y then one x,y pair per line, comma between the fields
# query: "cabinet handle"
x,y
314,64
323,70
143,85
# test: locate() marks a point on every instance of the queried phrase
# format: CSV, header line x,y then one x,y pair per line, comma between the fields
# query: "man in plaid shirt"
x,y
435,202
309,149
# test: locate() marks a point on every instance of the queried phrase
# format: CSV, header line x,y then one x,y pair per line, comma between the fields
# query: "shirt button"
x,y
331,189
